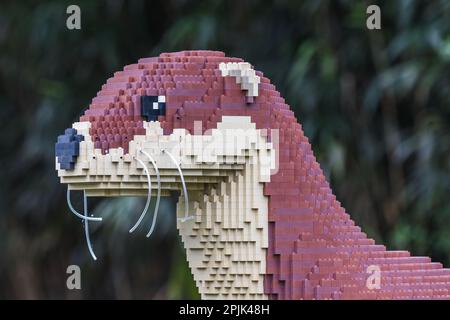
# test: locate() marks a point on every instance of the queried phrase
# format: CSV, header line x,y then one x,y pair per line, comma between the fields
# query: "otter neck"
x,y
226,242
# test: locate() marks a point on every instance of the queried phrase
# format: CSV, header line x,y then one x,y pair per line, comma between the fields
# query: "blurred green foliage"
x,y
375,104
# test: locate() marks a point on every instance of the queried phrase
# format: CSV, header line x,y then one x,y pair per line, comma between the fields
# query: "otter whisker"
x,y
86,226
158,197
186,200
149,195
84,217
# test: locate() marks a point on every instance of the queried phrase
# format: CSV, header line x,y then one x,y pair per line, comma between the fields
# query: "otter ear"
x,y
244,75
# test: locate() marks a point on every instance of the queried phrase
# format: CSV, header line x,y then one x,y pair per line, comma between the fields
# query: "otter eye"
x,y
152,107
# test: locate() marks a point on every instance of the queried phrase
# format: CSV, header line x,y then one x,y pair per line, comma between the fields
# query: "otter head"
x,y
193,122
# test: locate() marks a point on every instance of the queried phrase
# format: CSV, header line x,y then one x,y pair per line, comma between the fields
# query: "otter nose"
x,y
67,148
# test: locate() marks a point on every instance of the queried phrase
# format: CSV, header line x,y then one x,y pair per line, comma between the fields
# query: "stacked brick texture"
x,y
227,241
314,250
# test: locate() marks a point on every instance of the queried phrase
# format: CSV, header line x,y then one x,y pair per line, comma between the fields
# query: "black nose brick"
x,y
67,148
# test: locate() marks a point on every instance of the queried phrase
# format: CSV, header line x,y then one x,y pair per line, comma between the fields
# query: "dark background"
x,y
375,104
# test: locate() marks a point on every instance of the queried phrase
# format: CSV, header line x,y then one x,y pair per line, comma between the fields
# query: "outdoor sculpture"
x,y
256,215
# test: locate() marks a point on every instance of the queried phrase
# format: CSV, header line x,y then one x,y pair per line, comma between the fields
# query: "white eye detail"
x,y
152,107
